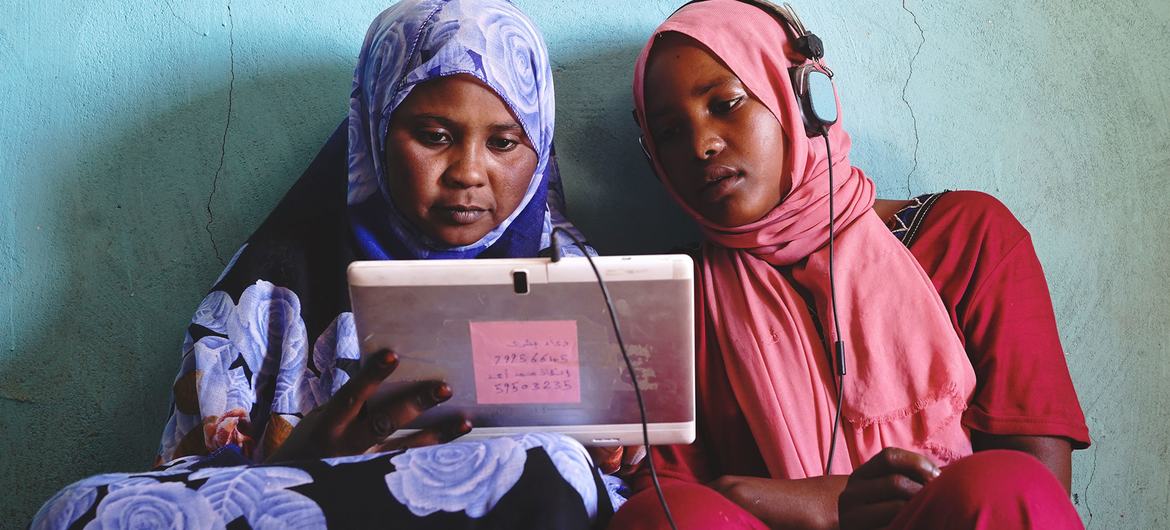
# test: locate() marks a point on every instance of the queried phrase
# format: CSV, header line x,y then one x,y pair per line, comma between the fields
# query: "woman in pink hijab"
x,y
945,325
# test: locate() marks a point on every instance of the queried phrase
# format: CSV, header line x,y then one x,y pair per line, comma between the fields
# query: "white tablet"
x,y
527,344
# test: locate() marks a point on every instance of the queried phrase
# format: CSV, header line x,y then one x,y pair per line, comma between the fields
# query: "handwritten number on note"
x,y
526,362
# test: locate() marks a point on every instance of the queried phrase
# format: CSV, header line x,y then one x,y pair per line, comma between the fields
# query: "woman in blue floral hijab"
x,y
270,350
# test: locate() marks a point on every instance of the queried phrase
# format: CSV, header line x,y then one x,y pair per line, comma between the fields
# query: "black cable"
x,y
839,345
556,256
836,422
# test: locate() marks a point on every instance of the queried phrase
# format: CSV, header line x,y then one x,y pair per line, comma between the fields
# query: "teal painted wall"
x,y
138,140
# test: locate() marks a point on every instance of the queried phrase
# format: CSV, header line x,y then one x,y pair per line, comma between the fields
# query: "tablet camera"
x,y
520,282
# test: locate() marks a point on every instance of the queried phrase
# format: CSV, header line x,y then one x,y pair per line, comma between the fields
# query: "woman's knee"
x,y
692,506
1001,474
992,489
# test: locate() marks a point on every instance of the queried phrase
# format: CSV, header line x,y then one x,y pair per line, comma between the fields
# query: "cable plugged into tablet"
x,y
617,331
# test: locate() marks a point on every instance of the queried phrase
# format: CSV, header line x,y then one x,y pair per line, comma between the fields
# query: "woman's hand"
x,y
803,503
620,460
878,490
346,425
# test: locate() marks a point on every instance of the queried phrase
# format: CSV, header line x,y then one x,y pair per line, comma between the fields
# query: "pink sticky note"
x,y
531,361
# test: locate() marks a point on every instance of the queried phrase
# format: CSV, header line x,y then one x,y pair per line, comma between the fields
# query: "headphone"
x,y
812,81
812,84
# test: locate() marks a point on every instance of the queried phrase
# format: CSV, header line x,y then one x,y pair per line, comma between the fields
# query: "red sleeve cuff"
x,y
1074,430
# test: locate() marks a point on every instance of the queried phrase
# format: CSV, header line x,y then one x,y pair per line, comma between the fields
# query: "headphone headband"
x,y
805,41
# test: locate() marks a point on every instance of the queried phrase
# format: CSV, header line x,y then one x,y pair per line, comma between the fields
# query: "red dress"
x,y
986,271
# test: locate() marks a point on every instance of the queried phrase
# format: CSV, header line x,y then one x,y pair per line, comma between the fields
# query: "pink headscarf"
x,y
909,378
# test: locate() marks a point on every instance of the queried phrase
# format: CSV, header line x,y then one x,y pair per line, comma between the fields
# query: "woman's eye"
x,y
502,144
728,104
434,137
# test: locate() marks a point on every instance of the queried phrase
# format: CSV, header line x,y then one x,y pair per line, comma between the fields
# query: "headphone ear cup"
x,y
821,98
817,98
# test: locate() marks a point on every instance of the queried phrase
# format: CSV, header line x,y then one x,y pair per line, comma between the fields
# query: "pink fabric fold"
x,y
764,284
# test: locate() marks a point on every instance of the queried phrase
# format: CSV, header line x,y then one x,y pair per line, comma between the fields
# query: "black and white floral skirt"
x,y
525,481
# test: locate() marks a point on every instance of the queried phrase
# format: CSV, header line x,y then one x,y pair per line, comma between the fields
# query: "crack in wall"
x,y
171,8
226,126
1089,482
913,117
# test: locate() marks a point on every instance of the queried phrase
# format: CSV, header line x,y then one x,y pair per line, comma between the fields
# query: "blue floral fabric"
x,y
274,338
533,481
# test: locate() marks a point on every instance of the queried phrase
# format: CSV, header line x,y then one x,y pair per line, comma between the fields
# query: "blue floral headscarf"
x,y
416,41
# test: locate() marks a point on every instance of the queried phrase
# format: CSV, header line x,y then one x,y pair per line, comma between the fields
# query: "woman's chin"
x,y
730,214
460,236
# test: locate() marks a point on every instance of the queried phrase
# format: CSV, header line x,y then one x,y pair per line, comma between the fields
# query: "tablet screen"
x,y
545,358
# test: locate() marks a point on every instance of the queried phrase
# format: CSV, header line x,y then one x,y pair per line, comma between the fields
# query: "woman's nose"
x,y
707,144
467,170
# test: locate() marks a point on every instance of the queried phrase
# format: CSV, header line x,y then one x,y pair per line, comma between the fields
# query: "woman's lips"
x,y
461,215
719,181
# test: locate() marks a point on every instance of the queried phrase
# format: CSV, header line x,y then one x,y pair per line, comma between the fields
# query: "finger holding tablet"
x,y
349,423
619,460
